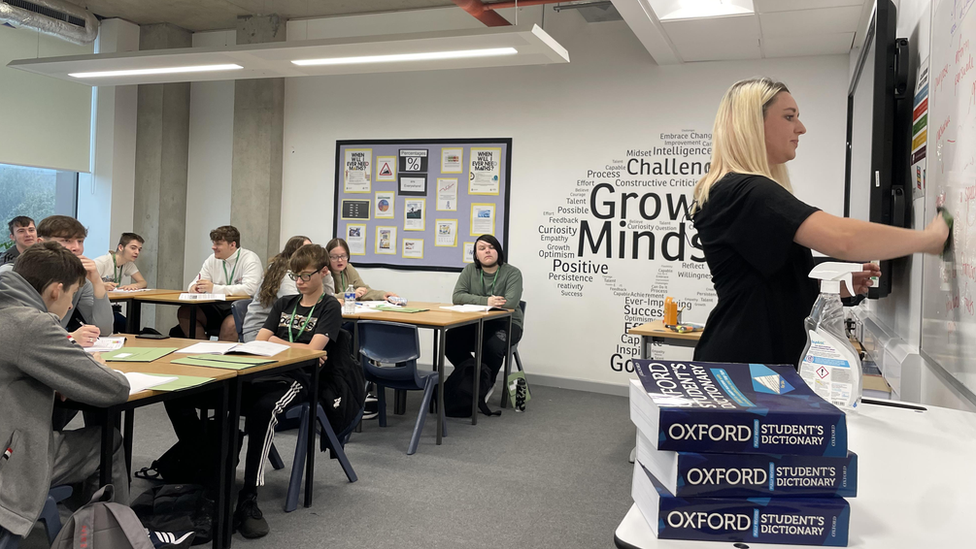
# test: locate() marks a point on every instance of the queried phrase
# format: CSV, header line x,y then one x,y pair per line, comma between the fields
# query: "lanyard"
x,y
492,282
230,280
116,271
291,339
342,286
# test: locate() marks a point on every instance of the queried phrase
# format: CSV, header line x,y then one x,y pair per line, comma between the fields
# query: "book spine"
x,y
757,475
733,432
799,521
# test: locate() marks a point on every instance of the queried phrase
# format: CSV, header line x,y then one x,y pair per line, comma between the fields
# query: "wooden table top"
x,y
656,328
173,296
124,296
435,316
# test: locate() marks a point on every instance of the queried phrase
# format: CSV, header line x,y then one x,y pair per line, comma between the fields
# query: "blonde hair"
x,y
738,138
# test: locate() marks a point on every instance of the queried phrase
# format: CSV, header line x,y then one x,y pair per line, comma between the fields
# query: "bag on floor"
x,y
103,524
342,387
457,390
177,508
190,461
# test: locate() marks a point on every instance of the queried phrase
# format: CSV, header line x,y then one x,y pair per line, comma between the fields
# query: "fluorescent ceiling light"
x,y
163,70
393,58
700,9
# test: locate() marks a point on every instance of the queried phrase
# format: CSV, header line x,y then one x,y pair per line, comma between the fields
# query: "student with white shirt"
x,y
230,270
115,267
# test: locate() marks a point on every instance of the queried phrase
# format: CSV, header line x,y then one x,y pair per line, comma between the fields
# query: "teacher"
x,y
757,237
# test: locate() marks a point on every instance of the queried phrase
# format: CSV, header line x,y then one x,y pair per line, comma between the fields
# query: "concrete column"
x,y
259,112
162,139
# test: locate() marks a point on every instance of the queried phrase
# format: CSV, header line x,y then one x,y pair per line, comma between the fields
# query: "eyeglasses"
x,y
304,276
342,257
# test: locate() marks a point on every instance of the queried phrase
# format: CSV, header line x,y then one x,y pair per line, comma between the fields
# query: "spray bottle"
x,y
829,363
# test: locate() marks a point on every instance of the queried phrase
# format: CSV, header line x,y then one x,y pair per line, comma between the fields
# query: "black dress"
x,y
761,276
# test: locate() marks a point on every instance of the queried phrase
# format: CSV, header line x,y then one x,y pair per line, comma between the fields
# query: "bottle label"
x,y
827,372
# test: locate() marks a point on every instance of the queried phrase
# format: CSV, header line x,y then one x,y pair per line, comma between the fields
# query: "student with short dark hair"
x,y
23,233
38,363
115,266
344,274
491,281
92,314
230,270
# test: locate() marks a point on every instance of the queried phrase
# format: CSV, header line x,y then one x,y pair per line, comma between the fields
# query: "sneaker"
x,y
248,519
372,408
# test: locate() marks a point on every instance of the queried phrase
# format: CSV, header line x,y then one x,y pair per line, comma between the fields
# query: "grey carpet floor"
x,y
554,476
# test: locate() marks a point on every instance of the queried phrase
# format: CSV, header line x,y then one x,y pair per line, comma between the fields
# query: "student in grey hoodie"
x,y
39,363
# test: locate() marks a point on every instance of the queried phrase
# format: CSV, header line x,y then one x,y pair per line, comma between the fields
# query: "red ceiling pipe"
x,y
520,4
482,13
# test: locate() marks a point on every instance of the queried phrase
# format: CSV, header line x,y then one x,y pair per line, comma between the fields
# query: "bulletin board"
x,y
419,204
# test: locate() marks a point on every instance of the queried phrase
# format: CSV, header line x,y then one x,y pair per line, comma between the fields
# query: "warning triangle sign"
x,y
385,170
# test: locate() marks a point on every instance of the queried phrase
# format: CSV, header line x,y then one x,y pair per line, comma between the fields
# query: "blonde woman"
x,y
757,236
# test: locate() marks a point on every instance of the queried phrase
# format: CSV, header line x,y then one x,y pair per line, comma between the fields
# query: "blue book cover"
x,y
735,408
692,474
789,520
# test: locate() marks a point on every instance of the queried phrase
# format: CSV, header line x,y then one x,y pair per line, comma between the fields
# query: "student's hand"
x,y
91,271
322,359
496,301
86,335
862,280
360,292
939,233
98,358
388,295
109,286
203,287
129,287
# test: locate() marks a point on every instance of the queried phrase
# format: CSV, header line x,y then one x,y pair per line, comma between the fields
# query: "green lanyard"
x,y
492,282
116,271
342,287
291,339
230,280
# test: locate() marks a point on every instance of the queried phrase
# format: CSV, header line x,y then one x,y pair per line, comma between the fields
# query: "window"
x,y
36,193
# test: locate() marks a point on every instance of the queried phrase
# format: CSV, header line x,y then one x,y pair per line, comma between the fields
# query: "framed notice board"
x,y
419,204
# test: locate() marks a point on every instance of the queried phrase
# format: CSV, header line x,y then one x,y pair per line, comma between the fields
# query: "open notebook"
x,y
260,348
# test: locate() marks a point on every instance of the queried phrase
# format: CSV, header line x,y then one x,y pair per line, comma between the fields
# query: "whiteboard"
x,y
949,287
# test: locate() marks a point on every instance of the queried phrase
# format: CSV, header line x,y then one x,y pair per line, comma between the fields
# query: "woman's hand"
x,y
862,280
496,301
388,295
360,292
939,232
109,286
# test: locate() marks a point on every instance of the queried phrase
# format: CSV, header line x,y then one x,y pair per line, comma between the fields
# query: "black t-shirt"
x,y
761,276
324,318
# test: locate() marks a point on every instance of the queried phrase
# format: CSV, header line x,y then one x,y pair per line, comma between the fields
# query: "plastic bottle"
x,y
349,301
829,363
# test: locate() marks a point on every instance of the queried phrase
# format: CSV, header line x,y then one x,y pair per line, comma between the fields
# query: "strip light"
x,y
393,58
164,70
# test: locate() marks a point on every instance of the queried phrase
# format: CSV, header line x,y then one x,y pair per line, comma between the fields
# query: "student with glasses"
x,y
344,274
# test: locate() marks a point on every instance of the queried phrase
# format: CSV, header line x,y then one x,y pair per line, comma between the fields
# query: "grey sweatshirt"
x,y
94,311
36,360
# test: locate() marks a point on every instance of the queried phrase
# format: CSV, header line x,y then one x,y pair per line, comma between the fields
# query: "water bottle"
x,y
349,305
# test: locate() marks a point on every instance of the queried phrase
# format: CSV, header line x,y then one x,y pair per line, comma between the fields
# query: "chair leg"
x,y
333,443
381,403
421,416
49,513
518,360
298,463
8,540
275,458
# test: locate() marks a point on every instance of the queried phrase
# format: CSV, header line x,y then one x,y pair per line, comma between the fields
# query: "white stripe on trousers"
x,y
269,435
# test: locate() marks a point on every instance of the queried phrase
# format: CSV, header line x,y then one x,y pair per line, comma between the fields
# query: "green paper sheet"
x,y
251,360
228,364
181,382
137,354
400,309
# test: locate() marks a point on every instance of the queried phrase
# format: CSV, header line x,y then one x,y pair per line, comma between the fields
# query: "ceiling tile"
x,y
806,44
824,21
766,6
715,39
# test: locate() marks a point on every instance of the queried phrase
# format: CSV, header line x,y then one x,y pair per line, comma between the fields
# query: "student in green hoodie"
x,y
493,282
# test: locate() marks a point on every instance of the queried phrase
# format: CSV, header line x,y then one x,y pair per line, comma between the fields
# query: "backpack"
x,y
103,524
191,461
342,387
457,390
177,508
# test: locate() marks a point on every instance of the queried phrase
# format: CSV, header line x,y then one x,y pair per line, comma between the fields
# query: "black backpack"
x,y
177,508
457,390
342,387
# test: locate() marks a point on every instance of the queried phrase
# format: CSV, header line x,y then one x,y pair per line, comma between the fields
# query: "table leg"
x,y
127,439
108,435
222,515
477,373
645,341
133,318
193,321
439,366
313,401
508,365
233,431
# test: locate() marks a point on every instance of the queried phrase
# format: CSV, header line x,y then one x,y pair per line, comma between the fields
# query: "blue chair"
x,y
398,345
332,441
49,516
239,310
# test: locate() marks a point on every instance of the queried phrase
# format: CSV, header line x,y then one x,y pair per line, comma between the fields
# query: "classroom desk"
x,y
230,383
656,331
914,479
442,320
133,322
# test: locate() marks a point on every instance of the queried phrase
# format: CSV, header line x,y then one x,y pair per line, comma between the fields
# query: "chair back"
x,y
239,310
390,343
522,308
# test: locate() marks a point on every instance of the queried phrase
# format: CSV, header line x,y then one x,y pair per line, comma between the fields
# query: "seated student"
x,y
230,270
38,364
275,285
493,282
115,266
23,233
344,274
92,314
311,320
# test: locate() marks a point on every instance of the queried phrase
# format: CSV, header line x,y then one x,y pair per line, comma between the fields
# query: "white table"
x,y
916,485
